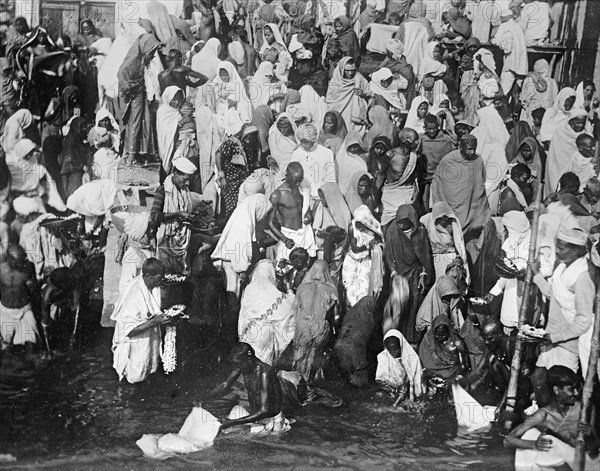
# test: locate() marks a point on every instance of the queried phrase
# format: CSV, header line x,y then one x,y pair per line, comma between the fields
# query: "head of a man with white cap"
x,y
571,244
183,171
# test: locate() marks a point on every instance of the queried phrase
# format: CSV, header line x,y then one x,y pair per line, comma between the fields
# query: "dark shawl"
x,y
437,357
518,134
75,153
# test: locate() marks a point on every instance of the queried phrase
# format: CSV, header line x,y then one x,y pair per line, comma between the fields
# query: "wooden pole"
x,y
515,367
588,387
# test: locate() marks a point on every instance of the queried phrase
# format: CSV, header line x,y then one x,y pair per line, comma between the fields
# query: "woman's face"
x,y
380,149
442,334
588,92
422,110
337,24
405,225
349,71
364,186
329,123
224,75
387,82
445,104
106,124
392,345
21,27
578,123
34,154
569,102
177,100
285,127
526,152
269,36
86,28
472,50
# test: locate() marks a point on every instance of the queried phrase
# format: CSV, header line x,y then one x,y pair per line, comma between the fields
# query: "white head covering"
x,y
413,121
185,166
573,236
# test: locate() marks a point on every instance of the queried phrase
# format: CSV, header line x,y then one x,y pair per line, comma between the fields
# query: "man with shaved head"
x,y
291,217
582,163
459,180
590,198
400,174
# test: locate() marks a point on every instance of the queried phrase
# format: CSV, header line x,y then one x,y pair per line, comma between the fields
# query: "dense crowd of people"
x,y
317,208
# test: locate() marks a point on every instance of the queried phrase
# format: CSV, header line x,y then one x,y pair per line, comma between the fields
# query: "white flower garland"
x,y
169,350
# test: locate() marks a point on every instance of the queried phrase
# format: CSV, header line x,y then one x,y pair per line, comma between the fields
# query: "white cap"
x,y
184,166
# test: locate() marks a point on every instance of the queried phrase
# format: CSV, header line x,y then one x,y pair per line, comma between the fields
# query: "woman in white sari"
x,y
207,134
207,60
416,115
233,105
274,50
167,122
262,90
282,143
266,320
558,114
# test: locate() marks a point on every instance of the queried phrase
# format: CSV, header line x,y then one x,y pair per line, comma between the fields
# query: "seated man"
x,y
60,308
290,209
264,393
547,439
18,285
178,74
136,341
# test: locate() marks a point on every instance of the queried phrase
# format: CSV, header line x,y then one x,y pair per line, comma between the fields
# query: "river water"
x,y
71,413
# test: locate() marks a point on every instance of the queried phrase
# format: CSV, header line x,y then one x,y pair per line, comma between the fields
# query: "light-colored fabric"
x,y
18,325
94,198
347,164
494,159
562,146
261,87
314,103
303,237
563,284
233,90
445,247
581,166
415,46
535,22
197,433
395,194
490,119
14,129
318,165
511,40
469,413
207,60
235,244
434,306
266,319
413,121
136,358
167,121
557,115
277,424
392,370
131,265
282,147
380,36
390,93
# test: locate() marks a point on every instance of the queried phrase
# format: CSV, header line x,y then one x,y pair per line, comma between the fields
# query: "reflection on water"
x,y
71,413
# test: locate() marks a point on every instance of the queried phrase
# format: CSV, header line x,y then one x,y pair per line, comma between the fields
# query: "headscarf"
x,y
162,21
395,47
382,126
14,129
433,306
440,359
314,103
340,92
490,119
94,198
207,60
518,134
391,370
535,164
282,147
373,166
390,94
556,115
260,87
347,163
75,151
400,249
352,197
235,244
266,319
336,213
276,34
413,121
459,23
516,245
167,121
234,89
335,139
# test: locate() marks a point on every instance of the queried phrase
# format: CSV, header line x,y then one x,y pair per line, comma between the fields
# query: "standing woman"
x,y
408,254
232,166
275,51
19,126
361,269
332,212
282,143
343,44
139,138
334,131
75,156
207,60
167,123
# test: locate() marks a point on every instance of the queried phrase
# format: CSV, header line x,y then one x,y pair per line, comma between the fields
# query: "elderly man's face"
x,y
349,71
592,195
307,145
468,150
411,142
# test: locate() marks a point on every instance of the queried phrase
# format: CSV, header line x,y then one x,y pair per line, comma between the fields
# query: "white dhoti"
x,y
276,424
18,326
585,347
303,237
556,354
232,278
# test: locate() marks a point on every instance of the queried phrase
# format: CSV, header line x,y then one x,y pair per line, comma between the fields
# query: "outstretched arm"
x,y
225,385
192,74
262,413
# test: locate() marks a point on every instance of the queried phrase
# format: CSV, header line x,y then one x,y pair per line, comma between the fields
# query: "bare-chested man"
x,y
291,218
18,285
400,174
264,392
178,74
60,306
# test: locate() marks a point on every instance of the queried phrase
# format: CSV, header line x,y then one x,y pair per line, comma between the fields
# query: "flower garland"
x,y
168,353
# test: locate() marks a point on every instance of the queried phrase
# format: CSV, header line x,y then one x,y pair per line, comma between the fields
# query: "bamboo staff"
x,y
588,387
515,367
